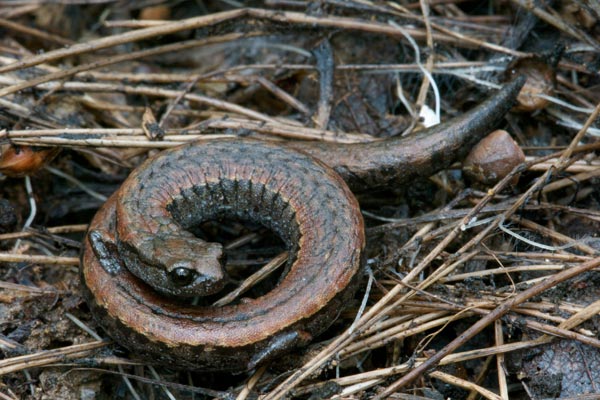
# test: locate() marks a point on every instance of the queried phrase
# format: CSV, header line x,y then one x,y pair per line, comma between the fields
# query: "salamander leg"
x,y
105,249
281,343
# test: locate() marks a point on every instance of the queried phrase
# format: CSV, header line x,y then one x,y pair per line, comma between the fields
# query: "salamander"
x,y
140,257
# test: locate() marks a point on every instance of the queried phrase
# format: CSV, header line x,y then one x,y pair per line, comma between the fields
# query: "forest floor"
x,y
481,281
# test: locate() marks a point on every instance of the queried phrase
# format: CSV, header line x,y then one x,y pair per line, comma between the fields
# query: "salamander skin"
x,y
139,255
401,159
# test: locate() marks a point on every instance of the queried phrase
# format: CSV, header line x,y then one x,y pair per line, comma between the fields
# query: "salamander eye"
x,y
182,276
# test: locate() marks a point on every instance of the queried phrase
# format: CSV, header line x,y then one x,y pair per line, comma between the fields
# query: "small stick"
x,y
47,356
453,380
32,32
253,279
8,257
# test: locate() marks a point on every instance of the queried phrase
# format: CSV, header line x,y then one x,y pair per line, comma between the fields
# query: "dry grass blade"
x,y
56,260
259,275
556,21
136,55
116,40
453,380
53,230
245,392
27,31
48,356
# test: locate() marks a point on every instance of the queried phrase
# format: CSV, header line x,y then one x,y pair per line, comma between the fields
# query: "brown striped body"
x,y
139,253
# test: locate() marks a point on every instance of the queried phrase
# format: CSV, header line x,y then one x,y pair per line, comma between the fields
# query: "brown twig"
x,y
28,31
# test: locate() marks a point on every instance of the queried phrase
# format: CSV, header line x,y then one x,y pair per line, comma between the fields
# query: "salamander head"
x,y
180,266
194,270
191,267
